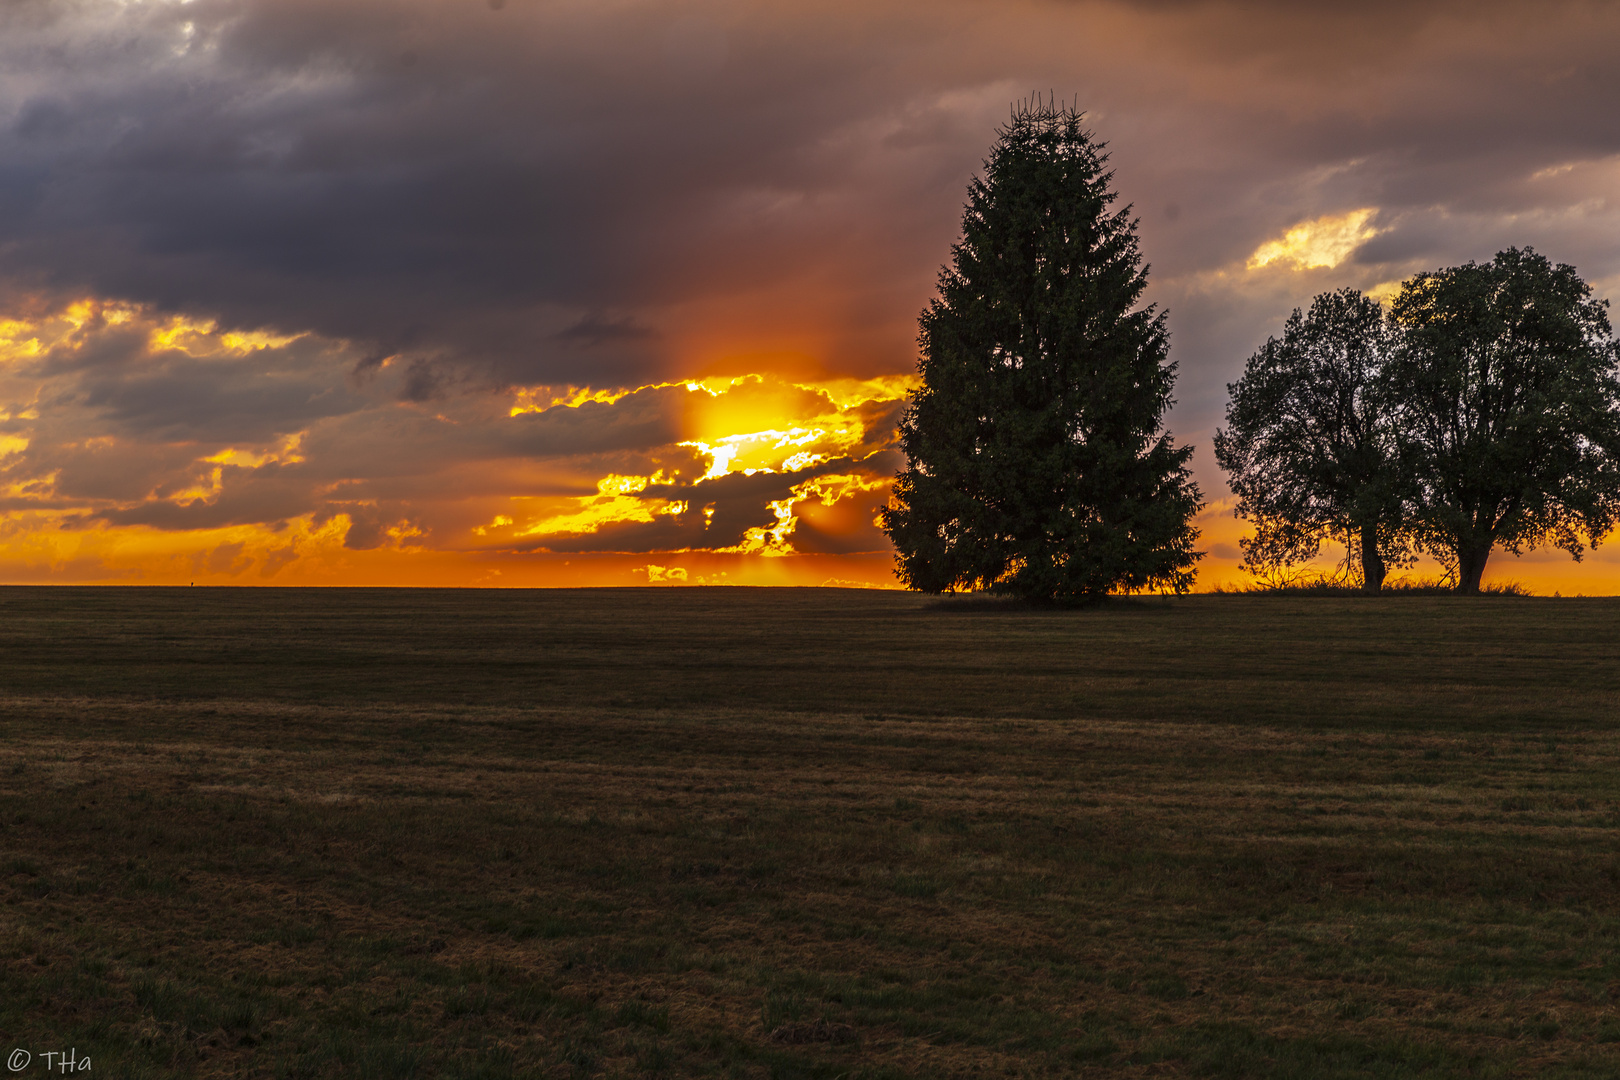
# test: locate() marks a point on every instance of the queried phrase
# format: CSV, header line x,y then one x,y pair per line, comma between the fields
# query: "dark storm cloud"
x,y
197,401
100,472
448,176
265,495
136,389
456,196
433,176
595,328
640,421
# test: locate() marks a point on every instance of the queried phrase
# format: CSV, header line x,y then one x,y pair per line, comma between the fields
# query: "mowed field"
x,y
807,833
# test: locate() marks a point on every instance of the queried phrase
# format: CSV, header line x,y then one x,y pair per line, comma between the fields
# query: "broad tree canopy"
x,y
1309,443
1509,409
1036,459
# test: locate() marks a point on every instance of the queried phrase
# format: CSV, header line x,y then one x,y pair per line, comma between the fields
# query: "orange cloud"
x,y
745,426
116,464
122,460
1323,242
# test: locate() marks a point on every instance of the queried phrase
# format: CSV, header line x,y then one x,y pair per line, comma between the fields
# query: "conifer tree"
x,y
1037,463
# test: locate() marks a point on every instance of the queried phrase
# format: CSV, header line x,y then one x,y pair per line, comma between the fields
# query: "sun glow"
x,y
755,478
769,540
735,427
763,451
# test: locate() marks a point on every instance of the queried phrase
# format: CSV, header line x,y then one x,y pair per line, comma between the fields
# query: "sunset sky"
x,y
546,292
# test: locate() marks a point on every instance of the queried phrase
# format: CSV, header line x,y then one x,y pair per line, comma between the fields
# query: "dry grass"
x,y
808,834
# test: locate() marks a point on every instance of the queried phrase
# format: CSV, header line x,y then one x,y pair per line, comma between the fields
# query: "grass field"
x,y
807,833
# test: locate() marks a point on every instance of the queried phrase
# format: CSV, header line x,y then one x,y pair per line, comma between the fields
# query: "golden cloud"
x,y
1322,242
745,425
121,459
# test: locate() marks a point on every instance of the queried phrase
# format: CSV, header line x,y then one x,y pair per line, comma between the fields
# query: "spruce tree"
x,y
1037,463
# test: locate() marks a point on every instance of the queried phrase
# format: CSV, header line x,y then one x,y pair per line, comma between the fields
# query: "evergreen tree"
x,y
1510,409
1036,459
1310,442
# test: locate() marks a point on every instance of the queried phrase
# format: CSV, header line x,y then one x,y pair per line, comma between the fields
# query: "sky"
x,y
545,292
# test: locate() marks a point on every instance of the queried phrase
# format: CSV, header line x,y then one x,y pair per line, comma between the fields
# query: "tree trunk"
x,y
1372,564
1471,567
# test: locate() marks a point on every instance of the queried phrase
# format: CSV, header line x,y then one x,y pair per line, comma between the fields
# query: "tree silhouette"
x,y
1509,409
1310,442
1036,460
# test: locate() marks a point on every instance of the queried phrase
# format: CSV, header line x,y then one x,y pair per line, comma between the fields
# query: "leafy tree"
x,y
1510,409
1309,443
1036,460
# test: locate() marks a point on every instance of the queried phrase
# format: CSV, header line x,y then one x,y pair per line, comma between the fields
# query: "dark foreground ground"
x,y
807,834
